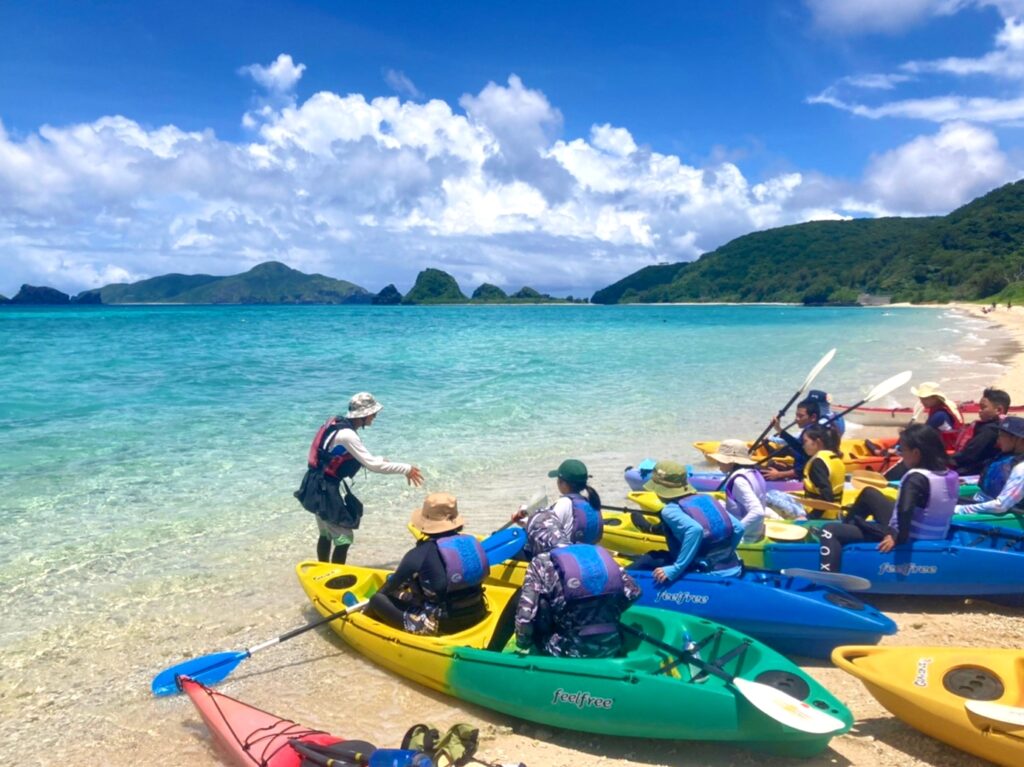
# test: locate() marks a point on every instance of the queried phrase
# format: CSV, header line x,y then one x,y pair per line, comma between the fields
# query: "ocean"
x,y
148,457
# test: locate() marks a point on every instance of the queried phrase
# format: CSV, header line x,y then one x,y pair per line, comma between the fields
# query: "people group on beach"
x,y
437,587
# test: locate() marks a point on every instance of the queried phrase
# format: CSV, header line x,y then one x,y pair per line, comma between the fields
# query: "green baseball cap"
x,y
669,480
572,471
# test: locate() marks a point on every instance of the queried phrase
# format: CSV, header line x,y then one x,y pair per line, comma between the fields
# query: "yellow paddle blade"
x,y
777,530
861,478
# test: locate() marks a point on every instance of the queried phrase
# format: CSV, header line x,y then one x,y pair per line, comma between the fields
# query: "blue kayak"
x,y
973,560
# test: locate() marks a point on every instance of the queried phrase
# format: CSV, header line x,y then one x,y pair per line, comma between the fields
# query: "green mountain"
x,y
435,287
267,283
973,253
490,293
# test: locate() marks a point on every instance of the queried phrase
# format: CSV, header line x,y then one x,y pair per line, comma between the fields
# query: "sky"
x,y
552,144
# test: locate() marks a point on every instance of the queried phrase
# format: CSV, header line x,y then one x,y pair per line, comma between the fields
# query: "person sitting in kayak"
x,y
1002,483
700,533
571,602
808,413
943,414
825,472
574,518
977,446
437,585
745,488
826,416
922,510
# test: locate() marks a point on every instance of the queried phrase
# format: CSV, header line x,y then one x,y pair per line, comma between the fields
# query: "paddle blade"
x,y
997,712
778,530
504,544
843,581
817,369
209,669
861,478
787,710
888,386
537,502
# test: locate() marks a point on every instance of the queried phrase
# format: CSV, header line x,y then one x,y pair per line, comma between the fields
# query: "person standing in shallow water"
x,y
335,455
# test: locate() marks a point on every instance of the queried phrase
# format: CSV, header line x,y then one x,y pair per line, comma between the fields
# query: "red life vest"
x,y
950,438
320,458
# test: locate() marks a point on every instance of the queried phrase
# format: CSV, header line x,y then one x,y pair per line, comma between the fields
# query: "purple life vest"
x,y
754,477
465,561
586,572
587,524
711,515
931,522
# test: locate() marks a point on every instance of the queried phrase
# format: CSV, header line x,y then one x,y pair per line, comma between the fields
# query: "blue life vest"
x,y
586,572
716,551
587,524
996,474
465,561
931,522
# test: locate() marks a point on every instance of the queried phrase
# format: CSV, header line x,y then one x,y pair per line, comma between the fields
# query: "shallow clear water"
x,y
148,454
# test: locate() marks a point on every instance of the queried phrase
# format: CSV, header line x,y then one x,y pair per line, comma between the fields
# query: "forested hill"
x,y
975,252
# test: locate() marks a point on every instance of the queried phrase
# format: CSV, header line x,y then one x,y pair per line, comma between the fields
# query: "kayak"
x,y
250,736
968,697
702,481
973,560
792,615
857,453
901,416
647,692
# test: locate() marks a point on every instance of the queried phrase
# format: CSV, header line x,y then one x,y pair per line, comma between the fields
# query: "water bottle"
x,y
399,757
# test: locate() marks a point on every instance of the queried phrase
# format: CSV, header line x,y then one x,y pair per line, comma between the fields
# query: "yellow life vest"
x,y
836,475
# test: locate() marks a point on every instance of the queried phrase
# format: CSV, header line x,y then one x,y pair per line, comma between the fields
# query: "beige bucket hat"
x,y
439,514
363,405
932,389
732,451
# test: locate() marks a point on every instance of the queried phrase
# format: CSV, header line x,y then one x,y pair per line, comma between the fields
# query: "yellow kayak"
x,y
857,453
968,697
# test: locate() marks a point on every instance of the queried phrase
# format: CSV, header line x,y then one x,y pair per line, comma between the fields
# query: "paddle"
x,y
210,669
997,712
843,581
783,708
803,387
861,478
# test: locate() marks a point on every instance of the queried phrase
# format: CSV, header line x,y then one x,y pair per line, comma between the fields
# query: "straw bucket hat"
x,y
439,514
363,405
732,451
931,389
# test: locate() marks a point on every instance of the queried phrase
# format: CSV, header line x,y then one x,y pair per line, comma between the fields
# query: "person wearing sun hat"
x,y
574,518
334,457
1002,483
943,414
746,492
436,588
700,533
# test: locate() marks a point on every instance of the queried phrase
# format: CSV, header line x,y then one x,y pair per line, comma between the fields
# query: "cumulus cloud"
x,y
400,83
374,190
279,77
850,17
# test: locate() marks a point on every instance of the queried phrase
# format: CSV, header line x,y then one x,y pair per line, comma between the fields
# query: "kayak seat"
x,y
505,626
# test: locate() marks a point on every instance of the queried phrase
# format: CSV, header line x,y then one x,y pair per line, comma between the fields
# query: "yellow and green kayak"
x,y
968,697
648,692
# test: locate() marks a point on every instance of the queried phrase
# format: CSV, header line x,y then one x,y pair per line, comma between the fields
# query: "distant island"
x,y
275,283
975,253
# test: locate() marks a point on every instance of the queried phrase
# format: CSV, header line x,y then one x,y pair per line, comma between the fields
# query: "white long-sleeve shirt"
x,y
348,439
745,505
1011,495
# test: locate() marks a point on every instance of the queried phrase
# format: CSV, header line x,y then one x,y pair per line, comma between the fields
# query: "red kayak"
x,y
901,416
250,736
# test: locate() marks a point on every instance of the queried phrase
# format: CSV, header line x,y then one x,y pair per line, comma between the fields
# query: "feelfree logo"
x,y
907,568
581,699
921,680
683,598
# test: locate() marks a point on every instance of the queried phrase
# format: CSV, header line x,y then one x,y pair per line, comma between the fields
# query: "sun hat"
x,y
732,451
572,471
1013,425
439,514
668,480
363,405
931,389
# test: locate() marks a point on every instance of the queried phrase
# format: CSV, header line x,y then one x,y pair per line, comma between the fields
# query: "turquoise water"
x,y
147,451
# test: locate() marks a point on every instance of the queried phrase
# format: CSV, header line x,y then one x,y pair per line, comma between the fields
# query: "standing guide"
x,y
335,455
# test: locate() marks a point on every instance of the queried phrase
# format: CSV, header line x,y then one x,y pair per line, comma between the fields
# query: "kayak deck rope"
x,y
265,735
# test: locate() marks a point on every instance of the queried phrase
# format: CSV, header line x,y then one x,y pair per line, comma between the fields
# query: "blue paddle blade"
x,y
504,544
209,669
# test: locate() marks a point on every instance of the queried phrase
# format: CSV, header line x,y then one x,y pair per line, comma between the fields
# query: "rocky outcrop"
x,y
389,296
89,297
488,292
41,295
435,287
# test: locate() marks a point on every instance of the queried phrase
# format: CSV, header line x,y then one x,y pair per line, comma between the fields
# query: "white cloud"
x,y
850,17
934,174
400,83
279,77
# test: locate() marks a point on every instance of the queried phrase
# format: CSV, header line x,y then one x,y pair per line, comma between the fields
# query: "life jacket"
x,y
836,474
587,524
754,477
591,584
334,465
465,567
996,474
716,550
952,437
931,522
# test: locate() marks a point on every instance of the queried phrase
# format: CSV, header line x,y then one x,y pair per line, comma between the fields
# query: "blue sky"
x,y
551,144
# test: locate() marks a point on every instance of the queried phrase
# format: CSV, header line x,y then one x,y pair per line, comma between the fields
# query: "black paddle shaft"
x,y
703,665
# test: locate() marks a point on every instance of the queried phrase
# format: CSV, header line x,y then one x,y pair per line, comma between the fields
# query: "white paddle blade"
x,y
817,369
888,386
843,581
777,530
787,710
537,502
997,712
